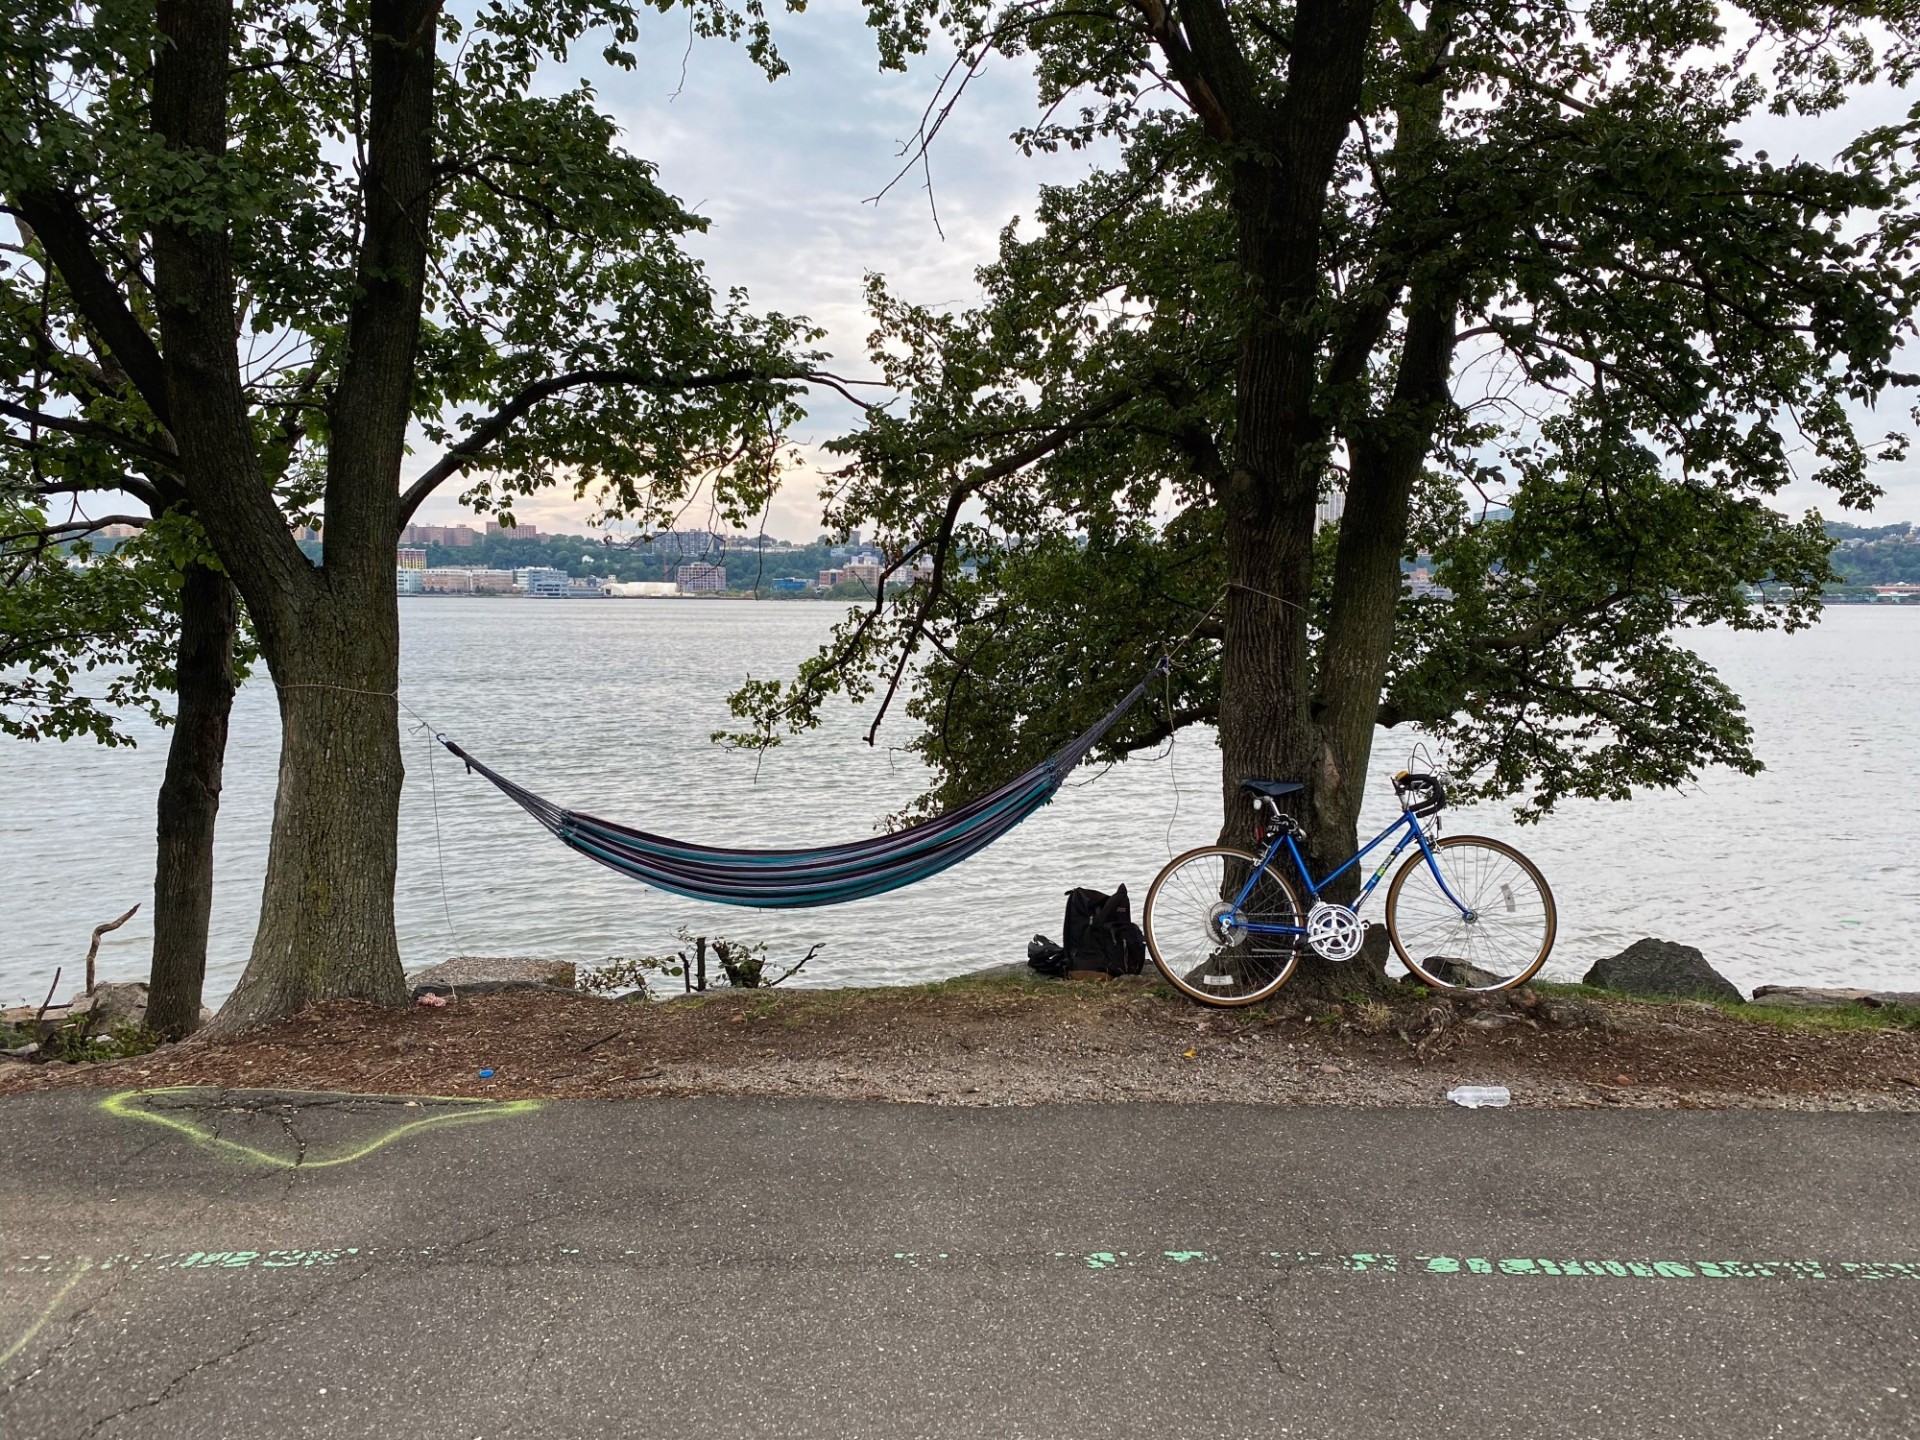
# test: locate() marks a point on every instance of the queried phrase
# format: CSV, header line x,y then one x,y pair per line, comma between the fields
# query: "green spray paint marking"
x,y
1565,1268
1399,1267
125,1105
198,1260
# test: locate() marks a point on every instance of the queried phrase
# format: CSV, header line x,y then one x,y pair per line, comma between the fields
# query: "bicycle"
x,y
1463,913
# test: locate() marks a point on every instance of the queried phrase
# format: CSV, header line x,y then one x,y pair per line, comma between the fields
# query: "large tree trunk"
x,y
1386,454
330,635
326,912
190,802
1279,189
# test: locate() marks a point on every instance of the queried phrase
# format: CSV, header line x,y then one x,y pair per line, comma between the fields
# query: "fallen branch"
x,y
94,948
47,1003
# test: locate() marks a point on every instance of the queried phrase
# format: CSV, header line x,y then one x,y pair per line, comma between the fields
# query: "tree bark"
x,y
190,802
1279,188
326,910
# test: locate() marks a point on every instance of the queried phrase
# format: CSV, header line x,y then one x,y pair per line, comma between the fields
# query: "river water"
x,y
1808,873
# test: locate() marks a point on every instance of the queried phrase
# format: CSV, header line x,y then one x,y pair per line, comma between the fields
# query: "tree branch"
x,y
65,235
52,534
90,429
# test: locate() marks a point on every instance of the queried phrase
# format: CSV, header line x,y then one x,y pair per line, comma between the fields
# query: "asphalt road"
x,y
718,1268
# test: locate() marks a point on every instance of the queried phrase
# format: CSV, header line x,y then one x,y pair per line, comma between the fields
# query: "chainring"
x,y
1335,932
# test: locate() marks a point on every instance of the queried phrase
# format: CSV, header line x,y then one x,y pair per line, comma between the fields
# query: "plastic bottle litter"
x,y
1476,1096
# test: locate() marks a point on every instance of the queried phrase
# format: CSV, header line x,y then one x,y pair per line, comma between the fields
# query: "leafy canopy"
x,y
568,335
1648,332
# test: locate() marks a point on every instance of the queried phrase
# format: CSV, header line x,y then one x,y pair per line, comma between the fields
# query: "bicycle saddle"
x,y
1272,789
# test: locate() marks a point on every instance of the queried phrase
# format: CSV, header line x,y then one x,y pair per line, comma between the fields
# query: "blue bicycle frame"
x,y
1415,833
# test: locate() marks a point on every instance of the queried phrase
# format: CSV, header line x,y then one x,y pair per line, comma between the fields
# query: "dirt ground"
x,y
1014,1041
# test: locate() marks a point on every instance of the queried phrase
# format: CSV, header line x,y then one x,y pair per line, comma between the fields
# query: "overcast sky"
x,y
786,172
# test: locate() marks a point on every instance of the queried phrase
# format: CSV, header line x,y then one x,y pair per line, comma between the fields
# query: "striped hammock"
x,y
793,879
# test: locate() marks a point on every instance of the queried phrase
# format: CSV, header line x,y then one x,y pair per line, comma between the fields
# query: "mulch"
x,y
1019,1042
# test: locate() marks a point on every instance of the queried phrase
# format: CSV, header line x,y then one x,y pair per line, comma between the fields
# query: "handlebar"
x,y
1420,793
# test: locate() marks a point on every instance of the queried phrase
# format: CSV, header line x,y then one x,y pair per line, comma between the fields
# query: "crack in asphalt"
x,y
326,1288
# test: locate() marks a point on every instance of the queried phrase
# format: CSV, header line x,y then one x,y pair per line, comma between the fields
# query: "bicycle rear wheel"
x,y
1211,950
1504,935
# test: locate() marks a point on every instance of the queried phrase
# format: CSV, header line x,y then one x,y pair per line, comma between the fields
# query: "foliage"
x,y
75,1042
86,636
1878,555
743,963
568,332
628,973
1643,333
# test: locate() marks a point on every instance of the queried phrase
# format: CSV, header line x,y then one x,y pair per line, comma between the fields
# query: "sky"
x,y
786,172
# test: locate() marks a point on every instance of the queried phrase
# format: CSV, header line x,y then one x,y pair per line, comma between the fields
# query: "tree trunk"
x,y
190,801
1387,452
1280,183
326,914
330,635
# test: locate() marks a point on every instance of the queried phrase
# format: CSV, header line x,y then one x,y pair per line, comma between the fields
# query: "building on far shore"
x,y
640,589
459,537
459,580
542,582
409,570
512,532
701,578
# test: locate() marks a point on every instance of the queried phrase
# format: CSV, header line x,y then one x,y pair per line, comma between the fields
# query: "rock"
x,y
112,1003
466,990
1660,967
1459,972
1807,998
494,973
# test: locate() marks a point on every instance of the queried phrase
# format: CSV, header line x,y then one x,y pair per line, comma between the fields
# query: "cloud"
x,y
787,173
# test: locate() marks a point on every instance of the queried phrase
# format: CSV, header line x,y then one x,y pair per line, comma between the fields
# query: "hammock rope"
x,y
829,875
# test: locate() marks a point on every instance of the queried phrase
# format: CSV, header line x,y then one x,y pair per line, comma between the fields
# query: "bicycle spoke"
x,y
1489,928
1207,941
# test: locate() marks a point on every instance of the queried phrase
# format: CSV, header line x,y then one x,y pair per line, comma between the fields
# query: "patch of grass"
x,y
1845,1017
1780,1017
72,1043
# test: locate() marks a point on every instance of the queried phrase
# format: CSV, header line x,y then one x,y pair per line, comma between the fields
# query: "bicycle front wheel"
x,y
1208,946
1488,927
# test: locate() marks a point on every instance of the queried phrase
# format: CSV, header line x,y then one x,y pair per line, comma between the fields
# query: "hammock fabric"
x,y
792,879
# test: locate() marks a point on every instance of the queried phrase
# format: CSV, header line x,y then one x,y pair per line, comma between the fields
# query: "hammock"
x,y
792,879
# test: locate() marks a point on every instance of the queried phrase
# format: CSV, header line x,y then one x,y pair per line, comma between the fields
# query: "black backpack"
x,y
1098,934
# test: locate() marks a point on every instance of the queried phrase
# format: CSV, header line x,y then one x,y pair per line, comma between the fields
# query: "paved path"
x,y
721,1268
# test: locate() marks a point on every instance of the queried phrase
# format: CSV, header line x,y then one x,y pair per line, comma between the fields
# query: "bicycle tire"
x,y
1482,872
1192,952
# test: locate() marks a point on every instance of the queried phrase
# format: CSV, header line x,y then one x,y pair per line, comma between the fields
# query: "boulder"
x,y
111,1003
1805,997
489,973
1660,967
